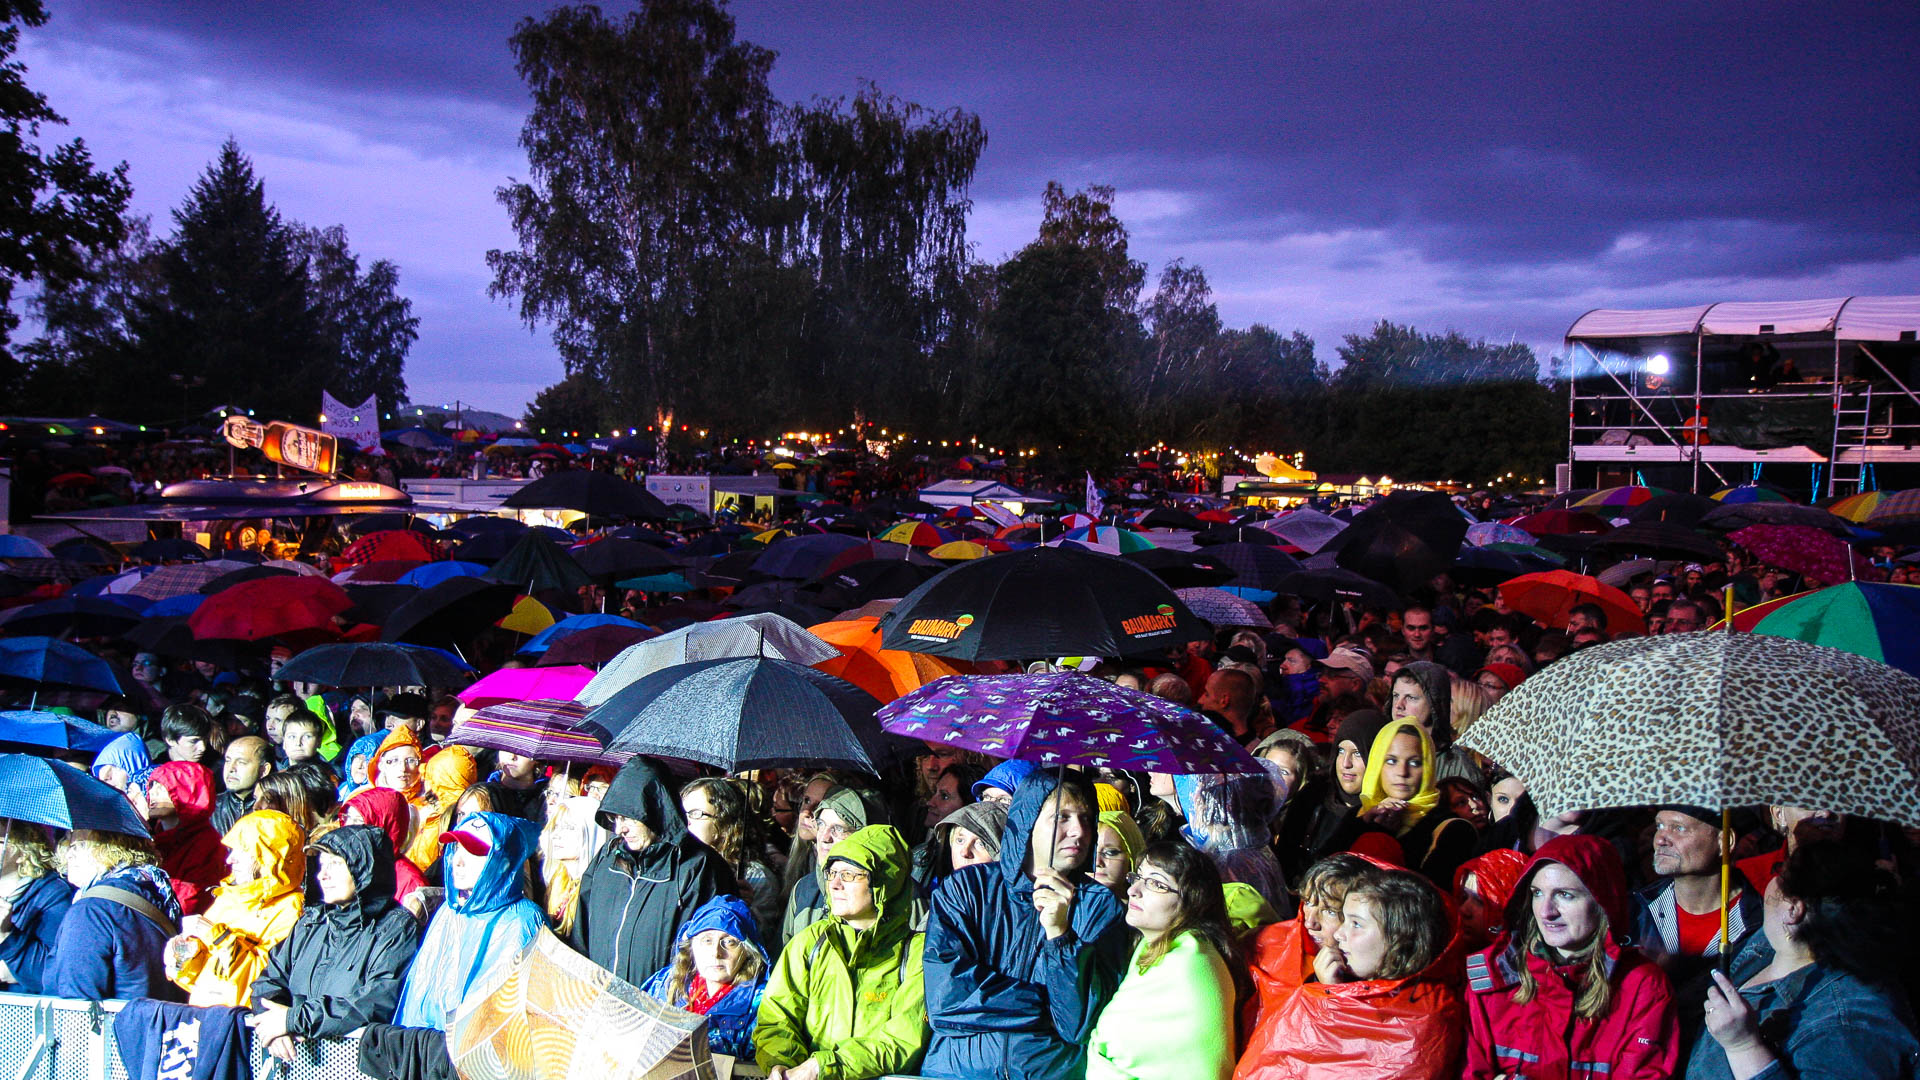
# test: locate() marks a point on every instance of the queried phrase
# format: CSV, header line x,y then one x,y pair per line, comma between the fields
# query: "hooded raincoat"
x,y
1436,681
852,999
106,950
363,750
190,852
1003,999
342,966
387,810
807,902
444,776
476,930
731,1016
128,753
393,739
246,920
1638,1038
1384,1029
631,904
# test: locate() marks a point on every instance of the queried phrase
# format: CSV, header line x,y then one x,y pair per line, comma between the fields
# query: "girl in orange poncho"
x,y
444,776
219,954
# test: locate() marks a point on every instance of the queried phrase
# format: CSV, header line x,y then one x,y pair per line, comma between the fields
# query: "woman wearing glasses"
x,y
847,998
1183,953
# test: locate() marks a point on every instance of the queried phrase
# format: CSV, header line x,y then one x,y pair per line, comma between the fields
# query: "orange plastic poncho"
x,y
1386,1029
445,775
399,736
246,920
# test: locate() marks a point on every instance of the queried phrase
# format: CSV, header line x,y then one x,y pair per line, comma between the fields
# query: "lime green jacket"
x,y
853,999
1172,1022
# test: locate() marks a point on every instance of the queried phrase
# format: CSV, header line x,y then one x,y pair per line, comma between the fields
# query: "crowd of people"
x,y
1379,901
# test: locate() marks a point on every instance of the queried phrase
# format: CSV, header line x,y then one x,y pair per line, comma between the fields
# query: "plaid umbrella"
x,y
1895,508
552,1014
1803,550
544,728
388,544
1712,719
182,578
1065,718
1223,609
49,569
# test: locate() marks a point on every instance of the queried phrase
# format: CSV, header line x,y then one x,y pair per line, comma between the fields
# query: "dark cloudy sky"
x,y
1495,167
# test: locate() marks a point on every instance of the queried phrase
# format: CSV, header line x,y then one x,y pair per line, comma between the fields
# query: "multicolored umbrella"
x,y
1224,609
1749,617
547,729
884,673
1107,539
1748,493
1858,508
1712,719
1065,718
917,534
1628,495
1802,549
1878,621
526,684
1896,508
1551,596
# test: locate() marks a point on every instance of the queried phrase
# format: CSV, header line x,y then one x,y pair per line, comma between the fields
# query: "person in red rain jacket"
x,y
1557,996
179,811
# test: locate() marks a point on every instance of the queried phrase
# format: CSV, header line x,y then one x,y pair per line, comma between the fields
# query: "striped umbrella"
x,y
1106,538
917,534
546,729
1857,508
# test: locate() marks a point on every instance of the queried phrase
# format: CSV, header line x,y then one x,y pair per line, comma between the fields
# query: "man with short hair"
x,y
188,732
1685,616
1586,617
1232,694
1171,687
1344,673
1022,954
1502,632
248,761
1416,629
1677,918
1662,590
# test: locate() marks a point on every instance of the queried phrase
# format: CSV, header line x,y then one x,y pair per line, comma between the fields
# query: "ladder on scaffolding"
x,y
1852,430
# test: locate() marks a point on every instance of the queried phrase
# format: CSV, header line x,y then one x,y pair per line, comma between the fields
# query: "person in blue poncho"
x,y
485,922
123,762
359,764
719,970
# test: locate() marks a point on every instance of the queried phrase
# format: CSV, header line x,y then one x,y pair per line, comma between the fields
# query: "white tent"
x,y
1848,318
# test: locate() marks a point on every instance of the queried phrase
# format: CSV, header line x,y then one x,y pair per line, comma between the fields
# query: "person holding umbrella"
x,y
1825,1004
1561,993
1022,954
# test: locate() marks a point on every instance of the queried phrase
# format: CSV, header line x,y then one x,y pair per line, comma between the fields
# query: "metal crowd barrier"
x,y
43,1038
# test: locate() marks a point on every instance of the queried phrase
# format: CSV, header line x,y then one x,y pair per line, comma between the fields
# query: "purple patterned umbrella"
x,y
545,729
1065,718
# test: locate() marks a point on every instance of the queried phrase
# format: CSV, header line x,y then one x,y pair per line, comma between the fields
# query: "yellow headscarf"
x,y
1131,838
248,919
1373,792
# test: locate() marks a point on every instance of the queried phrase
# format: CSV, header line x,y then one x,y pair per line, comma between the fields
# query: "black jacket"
x,y
229,807
632,904
343,965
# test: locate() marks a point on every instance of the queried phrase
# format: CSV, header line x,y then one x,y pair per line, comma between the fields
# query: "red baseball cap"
x,y
467,838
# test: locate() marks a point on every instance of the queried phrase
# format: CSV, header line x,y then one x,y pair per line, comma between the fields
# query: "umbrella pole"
x,y
1726,867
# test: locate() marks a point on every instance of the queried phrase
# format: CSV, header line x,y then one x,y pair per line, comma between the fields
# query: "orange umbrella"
x,y
1552,595
884,673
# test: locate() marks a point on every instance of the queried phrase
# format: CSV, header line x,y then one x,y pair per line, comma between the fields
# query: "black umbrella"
x,y
871,579
488,547
80,616
486,523
800,557
1733,518
1328,587
171,549
590,492
1041,602
729,569
793,610
82,550
377,603
1182,569
372,663
1166,517
616,558
170,636
594,646
1674,508
1478,566
453,610
1402,540
644,535
251,573
536,564
750,712
1657,538
1236,534
857,523
1253,566
362,524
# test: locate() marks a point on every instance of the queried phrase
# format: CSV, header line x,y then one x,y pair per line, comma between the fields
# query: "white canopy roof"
x,y
1848,318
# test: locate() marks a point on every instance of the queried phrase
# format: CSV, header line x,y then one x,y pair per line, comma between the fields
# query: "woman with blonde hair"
x,y
113,941
34,899
572,836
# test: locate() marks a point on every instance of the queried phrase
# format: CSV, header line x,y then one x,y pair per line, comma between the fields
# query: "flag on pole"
x,y
1095,505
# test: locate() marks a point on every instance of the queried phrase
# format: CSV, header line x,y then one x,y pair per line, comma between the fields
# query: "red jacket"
x,y
1383,1029
1639,1036
190,852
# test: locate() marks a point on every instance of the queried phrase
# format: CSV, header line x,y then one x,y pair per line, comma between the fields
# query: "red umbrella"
x,y
1552,595
1749,617
389,544
269,607
1560,523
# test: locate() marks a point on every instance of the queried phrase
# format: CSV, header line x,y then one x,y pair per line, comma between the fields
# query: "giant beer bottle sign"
x,y
285,444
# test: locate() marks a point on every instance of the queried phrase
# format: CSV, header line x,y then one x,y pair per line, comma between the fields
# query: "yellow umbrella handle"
x,y
1729,606
1726,862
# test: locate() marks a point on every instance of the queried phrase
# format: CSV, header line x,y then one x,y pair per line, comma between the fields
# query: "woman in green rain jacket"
x,y
846,1000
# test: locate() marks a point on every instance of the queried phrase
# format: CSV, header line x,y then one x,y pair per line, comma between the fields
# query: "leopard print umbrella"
x,y
1713,719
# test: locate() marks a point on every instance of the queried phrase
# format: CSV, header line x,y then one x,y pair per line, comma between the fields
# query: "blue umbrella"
x,y
86,616
427,575
57,794
32,727
573,624
184,604
45,660
15,546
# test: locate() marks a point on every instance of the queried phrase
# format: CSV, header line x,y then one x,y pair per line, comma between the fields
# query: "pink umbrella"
x,y
1803,549
527,684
